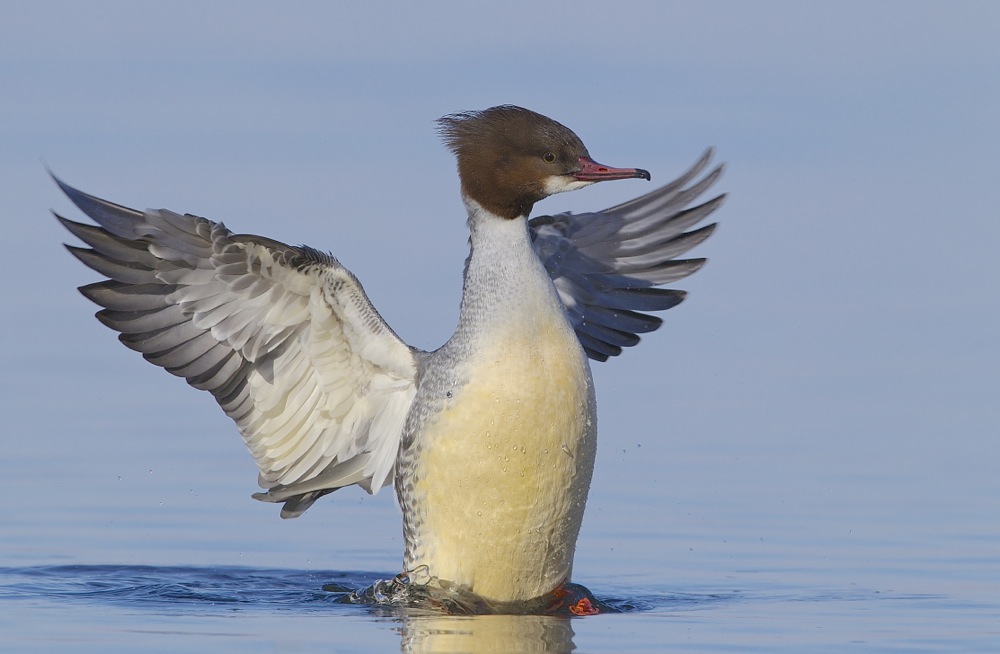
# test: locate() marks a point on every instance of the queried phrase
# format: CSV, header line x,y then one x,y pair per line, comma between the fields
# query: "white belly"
x,y
501,481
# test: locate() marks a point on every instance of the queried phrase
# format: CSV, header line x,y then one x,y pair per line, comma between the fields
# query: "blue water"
x,y
145,608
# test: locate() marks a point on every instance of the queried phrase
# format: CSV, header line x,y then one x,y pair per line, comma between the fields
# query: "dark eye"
x,y
549,157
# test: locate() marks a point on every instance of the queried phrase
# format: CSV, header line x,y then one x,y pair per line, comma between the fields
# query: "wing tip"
x,y
293,507
116,218
76,196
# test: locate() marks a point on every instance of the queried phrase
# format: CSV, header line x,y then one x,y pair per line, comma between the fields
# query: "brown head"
x,y
509,158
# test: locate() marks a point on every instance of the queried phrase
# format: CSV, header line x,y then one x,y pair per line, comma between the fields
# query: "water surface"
x,y
143,608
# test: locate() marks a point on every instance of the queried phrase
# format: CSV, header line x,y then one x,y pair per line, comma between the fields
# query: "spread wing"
x,y
284,338
607,265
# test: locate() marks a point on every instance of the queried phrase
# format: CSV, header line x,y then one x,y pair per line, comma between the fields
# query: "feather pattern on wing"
x,y
284,338
607,265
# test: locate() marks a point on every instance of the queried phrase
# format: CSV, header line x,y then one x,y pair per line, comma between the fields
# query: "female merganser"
x,y
489,440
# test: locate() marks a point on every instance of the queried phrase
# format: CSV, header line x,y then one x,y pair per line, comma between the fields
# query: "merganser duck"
x,y
489,440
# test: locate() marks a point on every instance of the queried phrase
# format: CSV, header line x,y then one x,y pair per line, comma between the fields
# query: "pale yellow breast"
x,y
505,468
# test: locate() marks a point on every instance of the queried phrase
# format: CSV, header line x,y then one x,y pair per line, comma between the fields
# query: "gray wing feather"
x,y
607,265
283,337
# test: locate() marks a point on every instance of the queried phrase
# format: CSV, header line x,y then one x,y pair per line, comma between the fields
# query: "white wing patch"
x,y
285,339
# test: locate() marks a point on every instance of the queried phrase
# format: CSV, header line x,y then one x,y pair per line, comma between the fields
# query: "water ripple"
x,y
243,588
237,587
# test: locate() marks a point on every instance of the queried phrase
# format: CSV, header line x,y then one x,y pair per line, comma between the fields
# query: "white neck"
x,y
504,280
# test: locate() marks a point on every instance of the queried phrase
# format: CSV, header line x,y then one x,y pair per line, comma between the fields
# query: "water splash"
x,y
416,590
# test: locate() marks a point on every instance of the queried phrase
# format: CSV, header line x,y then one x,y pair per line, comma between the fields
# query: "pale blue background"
x,y
821,412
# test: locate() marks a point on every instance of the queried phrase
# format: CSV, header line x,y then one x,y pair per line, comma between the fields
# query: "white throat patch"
x,y
562,183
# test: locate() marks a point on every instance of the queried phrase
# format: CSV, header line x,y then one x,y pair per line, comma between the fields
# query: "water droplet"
x,y
479,513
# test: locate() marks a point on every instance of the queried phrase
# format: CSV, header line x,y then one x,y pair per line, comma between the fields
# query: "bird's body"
x,y
490,440
494,472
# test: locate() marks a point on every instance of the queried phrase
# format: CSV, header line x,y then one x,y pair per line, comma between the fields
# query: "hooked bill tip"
x,y
591,171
